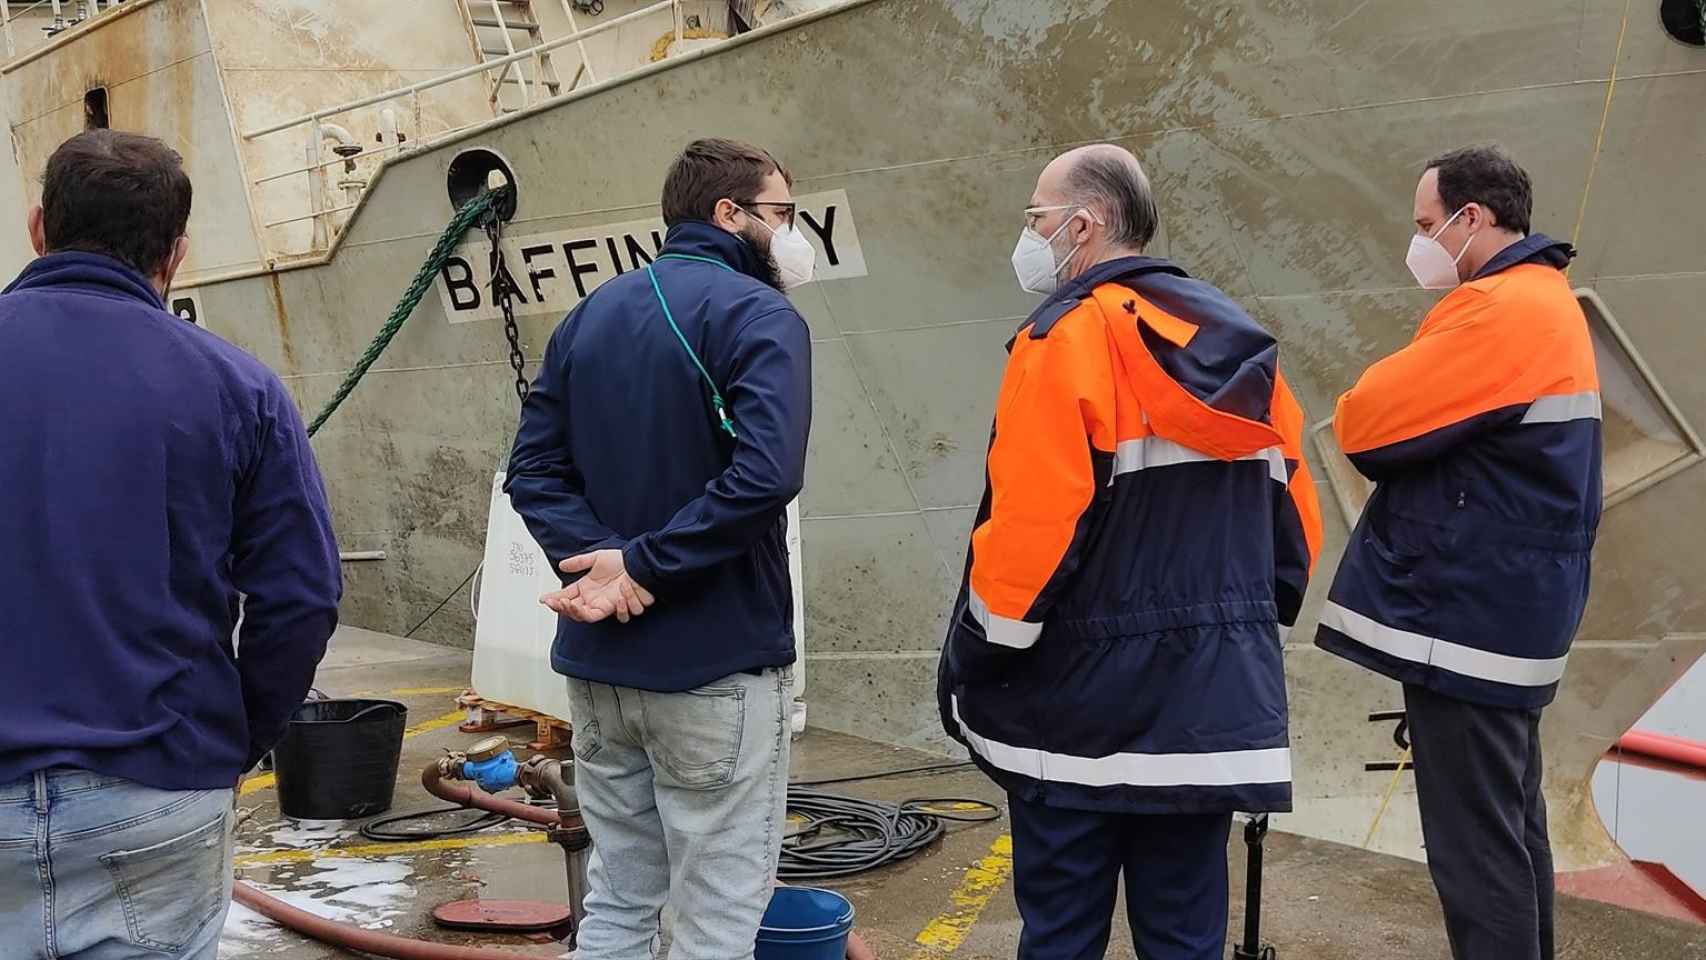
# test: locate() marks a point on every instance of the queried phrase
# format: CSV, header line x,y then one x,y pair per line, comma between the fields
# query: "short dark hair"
x,y
1488,176
118,194
711,169
1116,187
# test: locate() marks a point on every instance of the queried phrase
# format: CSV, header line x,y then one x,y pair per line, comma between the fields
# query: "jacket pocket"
x,y
974,659
695,736
1396,540
765,581
171,890
1398,559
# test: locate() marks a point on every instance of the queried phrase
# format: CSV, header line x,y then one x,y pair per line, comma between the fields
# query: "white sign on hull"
x,y
552,272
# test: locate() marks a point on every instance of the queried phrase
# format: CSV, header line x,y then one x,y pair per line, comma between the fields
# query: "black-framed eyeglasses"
x,y
785,209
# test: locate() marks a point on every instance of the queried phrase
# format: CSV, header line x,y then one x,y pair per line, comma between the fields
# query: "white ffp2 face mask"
x,y
796,258
1431,263
1034,262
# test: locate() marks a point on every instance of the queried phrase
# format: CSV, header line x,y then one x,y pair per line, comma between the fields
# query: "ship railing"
x,y
92,9
316,127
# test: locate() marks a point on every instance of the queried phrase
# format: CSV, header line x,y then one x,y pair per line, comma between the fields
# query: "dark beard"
x,y
766,270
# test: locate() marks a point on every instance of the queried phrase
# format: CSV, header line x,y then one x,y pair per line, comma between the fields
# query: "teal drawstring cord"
x,y
728,425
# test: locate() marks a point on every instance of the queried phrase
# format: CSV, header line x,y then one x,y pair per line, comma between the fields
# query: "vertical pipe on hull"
x,y
316,198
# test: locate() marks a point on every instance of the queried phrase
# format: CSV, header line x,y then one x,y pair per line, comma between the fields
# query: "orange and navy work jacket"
x,y
1468,570
1147,526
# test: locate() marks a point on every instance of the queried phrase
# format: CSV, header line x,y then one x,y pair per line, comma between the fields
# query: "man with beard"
x,y
657,453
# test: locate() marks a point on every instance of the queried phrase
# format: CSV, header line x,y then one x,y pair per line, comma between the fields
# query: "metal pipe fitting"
x,y
545,777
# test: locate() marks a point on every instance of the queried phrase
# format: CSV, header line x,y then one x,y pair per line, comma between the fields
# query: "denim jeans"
x,y
684,795
102,868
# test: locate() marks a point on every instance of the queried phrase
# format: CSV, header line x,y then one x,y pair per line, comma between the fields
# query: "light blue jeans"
x,y
684,795
101,868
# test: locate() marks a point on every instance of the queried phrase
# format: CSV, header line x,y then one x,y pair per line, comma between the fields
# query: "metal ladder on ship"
x,y
494,25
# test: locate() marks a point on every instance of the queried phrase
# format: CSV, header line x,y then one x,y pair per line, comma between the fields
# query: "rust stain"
x,y
112,49
276,292
141,60
183,89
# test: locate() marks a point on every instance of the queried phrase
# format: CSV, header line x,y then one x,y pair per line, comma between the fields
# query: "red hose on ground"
x,y
355,938
1689,753
403,948
385,944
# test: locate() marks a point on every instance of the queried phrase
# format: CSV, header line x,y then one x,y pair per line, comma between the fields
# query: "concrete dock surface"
x,y
1322,901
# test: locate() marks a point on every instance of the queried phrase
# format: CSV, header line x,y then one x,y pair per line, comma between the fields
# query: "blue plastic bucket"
x,y
805,923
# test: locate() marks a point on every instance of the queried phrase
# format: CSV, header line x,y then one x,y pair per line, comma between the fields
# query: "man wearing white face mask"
x,y
657,453
1467,574
1113,660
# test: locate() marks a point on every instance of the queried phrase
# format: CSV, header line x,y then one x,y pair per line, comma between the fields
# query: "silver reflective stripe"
x,y
1224,769
1402,644
1455,657
1562,407
1000,630
1151,452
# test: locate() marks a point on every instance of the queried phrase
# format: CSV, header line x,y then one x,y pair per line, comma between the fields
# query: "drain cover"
x,y
526,916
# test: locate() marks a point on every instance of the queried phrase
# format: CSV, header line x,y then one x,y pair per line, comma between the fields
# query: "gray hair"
x,y
1111,182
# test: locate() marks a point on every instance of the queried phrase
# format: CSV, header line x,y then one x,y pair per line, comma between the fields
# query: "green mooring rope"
x,y
459,224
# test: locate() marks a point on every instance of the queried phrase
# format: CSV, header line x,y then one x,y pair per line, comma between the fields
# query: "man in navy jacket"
x,y
1146,535
158,483
659,448
1467,575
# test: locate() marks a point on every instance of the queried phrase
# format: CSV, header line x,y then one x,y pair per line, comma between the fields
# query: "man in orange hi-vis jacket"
x,y
1467,575
1114,659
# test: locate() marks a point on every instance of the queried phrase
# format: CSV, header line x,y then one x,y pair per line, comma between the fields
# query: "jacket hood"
x,y
1228,362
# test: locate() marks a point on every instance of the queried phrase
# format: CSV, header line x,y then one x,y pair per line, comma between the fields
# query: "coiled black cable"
x,y
843,835
378,828
929,768
848,835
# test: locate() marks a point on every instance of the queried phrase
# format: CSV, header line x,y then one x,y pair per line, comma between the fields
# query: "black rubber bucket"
x,y
338,759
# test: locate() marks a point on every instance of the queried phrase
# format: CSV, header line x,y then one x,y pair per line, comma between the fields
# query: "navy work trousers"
x,y
1067,866
1484,824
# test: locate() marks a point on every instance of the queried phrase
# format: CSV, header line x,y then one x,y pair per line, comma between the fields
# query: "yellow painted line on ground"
x,y
256,783
958,806
944,934
388,849
422,691
264,781
436,723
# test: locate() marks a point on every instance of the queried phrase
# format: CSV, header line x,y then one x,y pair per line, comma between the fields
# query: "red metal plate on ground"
x,y
524,916
1637,885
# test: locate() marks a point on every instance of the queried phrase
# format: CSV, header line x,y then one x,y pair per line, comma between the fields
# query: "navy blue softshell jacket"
x,y
620,447
152,473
